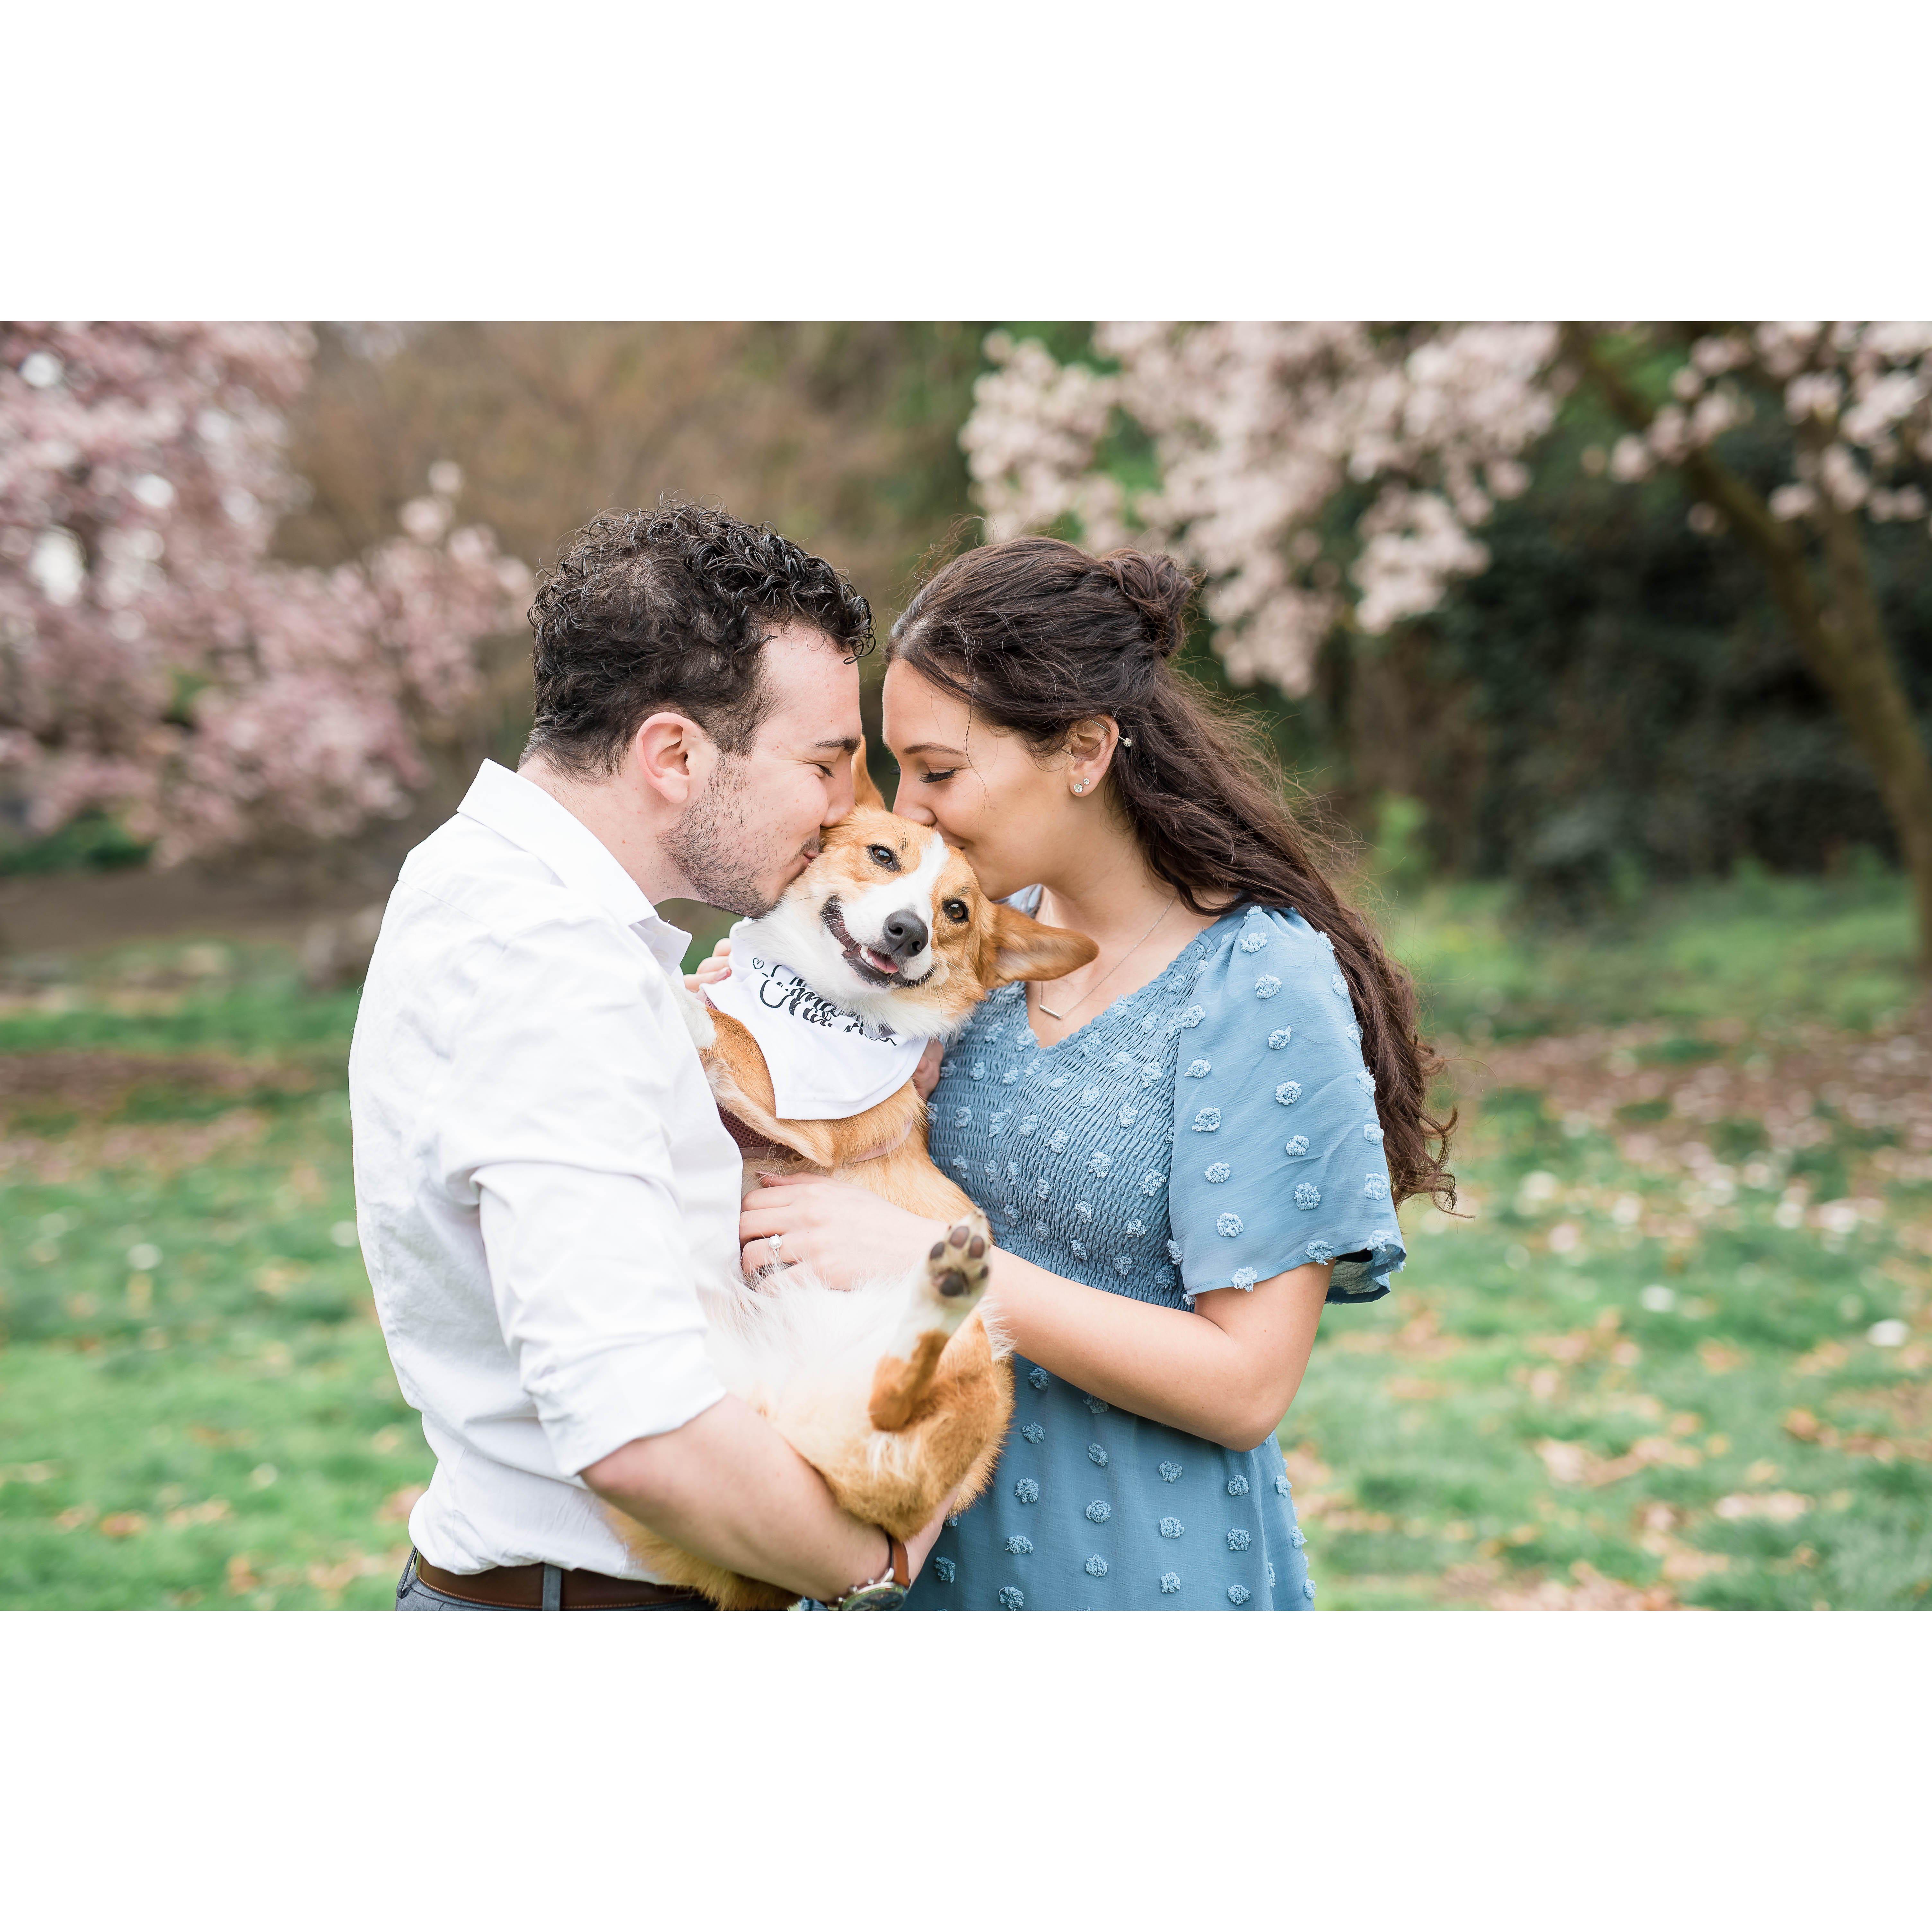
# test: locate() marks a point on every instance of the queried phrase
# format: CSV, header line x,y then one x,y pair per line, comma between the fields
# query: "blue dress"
x,y
1211,1130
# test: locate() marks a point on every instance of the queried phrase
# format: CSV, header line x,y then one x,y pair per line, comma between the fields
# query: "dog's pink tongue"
x,y
878,961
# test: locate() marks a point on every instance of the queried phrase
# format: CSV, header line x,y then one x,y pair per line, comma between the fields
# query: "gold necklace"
x,y
1040,998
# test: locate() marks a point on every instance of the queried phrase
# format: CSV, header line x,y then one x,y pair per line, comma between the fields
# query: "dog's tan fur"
x,y
932,1423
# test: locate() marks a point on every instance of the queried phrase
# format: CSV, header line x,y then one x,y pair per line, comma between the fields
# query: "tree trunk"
x,y
1855,666
1839,633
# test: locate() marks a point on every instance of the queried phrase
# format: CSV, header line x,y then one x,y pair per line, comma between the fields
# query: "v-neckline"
x,y
1194,945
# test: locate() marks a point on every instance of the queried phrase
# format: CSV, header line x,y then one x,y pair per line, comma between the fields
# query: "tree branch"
x,y
1775,544
1841,636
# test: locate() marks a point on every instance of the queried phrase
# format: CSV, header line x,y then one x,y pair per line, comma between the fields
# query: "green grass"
x,y
1425,1414
1734,1439
1768,950
214,1423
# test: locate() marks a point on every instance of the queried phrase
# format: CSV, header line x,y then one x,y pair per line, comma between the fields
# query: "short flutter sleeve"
x,y
1277,1149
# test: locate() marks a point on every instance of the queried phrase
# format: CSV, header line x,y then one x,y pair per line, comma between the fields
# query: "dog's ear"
x,y
864,792
1025,949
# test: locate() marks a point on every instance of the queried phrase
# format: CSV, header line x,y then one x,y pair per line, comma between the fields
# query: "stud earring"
x,y
1079,787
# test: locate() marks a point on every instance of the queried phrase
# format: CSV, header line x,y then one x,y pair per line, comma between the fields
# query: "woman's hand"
x,y
925,1075
718,966
844,1235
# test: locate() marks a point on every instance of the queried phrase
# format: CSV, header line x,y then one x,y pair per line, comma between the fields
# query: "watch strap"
x,y
891,1585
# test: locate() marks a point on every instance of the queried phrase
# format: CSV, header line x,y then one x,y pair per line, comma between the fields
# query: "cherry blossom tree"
x,y
155,660
1327,474
1857,399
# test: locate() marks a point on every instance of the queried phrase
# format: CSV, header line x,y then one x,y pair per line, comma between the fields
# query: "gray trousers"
x,y
413,1594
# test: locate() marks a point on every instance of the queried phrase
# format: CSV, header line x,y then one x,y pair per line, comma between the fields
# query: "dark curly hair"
x,y
668,610
1037,635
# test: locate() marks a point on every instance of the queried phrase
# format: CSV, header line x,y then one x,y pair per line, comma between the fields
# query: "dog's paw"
x,y
695,1012
957,1268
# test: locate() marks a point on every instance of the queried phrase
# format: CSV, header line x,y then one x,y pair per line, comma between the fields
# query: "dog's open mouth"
x,y
879,967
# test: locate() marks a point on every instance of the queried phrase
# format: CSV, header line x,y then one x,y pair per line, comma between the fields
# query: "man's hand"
x,y
845,1235
918,1547
718,966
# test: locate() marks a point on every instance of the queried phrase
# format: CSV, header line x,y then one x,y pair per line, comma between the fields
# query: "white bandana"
x,y
826,1064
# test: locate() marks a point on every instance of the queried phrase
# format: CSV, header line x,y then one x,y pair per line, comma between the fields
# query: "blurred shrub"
x,y
95,842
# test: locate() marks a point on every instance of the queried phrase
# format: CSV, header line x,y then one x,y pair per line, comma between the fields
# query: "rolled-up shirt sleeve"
x,y
557,1127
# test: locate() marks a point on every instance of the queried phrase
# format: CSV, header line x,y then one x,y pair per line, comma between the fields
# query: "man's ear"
x,y
671,755
1025,949
864,792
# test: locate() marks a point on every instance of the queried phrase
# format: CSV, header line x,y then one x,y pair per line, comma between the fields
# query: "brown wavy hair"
x,y
1037,635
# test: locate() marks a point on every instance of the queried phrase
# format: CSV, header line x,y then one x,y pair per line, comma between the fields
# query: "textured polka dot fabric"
x,y
1166,1522
1206,1132
1297,1172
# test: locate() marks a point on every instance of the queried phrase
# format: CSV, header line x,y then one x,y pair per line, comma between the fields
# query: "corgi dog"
x,y
898,1390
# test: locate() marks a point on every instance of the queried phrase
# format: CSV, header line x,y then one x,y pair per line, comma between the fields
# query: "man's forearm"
x,y
727,1486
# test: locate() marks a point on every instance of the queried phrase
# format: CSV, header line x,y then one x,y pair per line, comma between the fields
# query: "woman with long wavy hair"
x,y
1184,1148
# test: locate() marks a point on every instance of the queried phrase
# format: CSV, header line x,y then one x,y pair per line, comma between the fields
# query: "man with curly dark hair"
x,y
541,1176
686,612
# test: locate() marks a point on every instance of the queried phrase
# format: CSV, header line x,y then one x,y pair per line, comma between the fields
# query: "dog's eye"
x,y
956,910
883,855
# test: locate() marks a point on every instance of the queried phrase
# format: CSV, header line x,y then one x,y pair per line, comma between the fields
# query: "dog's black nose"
x,y
904,934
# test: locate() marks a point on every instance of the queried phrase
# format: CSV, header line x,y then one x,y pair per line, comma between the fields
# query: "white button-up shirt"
x,y
541,1176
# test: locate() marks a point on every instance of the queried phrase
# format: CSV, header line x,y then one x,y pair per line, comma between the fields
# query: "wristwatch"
x,y
887,1592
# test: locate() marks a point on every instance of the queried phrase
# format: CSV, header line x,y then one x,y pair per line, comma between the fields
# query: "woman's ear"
x,y
1025,949
864,792
1090,751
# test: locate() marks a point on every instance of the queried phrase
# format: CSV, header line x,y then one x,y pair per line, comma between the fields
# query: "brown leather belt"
x,y
521,1587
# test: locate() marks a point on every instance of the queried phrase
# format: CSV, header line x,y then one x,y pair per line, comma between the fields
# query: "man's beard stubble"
x,y
712,844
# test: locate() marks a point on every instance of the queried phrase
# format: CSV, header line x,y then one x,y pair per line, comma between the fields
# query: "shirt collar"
x,y
526,815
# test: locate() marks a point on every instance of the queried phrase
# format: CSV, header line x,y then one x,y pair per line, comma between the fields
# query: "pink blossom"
x,y
1630,460
1257,427
1844,482
161,664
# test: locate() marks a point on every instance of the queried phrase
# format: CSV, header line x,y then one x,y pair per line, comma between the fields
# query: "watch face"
x,y
886,1596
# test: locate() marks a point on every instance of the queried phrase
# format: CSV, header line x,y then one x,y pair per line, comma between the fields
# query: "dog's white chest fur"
x,y
794,1348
